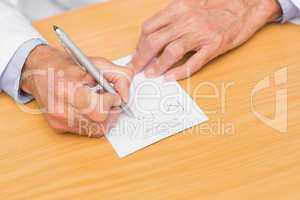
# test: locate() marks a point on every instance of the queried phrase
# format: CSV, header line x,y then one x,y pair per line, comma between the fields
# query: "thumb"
x,y
120,77
122,85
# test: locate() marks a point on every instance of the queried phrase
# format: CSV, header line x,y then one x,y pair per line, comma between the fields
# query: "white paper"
x,y
162,108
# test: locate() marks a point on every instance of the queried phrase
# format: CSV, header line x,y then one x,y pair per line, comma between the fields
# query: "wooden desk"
x,y
252,161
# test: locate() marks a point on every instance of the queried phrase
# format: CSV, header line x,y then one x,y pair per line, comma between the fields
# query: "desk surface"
x,y
234,156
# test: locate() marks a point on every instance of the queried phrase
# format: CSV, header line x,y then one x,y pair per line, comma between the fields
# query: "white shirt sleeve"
x,y
290,9
15,31
10,81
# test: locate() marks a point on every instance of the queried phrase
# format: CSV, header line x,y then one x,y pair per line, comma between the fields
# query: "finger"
x,y
111,119
190,67
151,46
149,67
90,128
60,125
101,107
84,126
122,86
72,121
95,106
102,63
162,18
109,69
120,77
174,52
89,80
98,129
113,72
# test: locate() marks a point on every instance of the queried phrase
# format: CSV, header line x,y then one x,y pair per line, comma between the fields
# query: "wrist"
x,y
39,56
36,59
271,9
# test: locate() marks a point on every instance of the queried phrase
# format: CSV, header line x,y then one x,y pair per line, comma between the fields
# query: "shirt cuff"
x,y
289,10
11,77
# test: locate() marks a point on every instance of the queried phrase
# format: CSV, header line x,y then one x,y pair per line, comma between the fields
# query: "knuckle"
x,y
56,116
56,121
193,21
54,125
152,41
126,74
129,73
174,50
146,27
180,4
187,72
217,40
98,117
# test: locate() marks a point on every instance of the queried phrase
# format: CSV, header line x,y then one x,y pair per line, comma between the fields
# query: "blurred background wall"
x,y
39,9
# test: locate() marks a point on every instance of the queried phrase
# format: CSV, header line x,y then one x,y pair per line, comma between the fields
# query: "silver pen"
x,y
84,62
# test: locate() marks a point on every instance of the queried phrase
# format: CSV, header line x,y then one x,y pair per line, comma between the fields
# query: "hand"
x,y
208,28
63,91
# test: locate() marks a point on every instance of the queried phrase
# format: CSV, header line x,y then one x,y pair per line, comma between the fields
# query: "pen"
x,y
83,60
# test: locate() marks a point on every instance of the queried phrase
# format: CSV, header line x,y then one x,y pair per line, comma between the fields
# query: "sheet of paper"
x,y
162,108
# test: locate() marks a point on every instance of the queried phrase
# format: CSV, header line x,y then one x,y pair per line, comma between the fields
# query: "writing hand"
x,y
63,91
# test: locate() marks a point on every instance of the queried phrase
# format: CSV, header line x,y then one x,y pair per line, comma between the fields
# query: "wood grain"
x,y
246,160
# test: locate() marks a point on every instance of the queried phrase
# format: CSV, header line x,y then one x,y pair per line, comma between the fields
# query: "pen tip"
x,y
55,27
